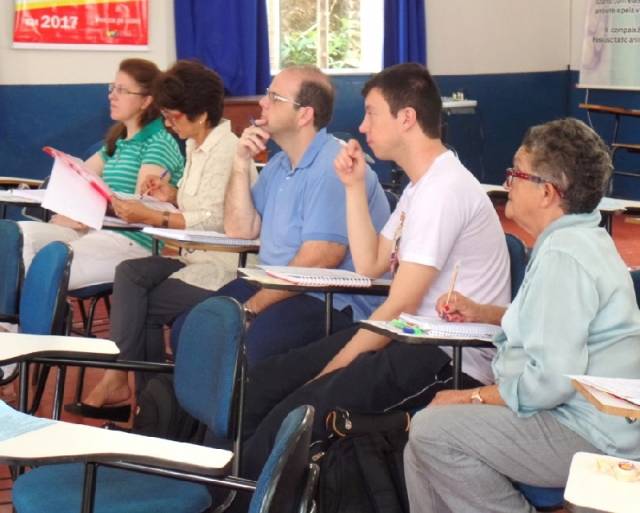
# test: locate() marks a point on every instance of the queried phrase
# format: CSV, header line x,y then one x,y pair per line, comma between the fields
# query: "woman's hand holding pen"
x,y
458,308
158,188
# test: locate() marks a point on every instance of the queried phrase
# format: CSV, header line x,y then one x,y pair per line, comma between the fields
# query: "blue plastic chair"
x,y
43,309
208,379
518,256
10,284
93,294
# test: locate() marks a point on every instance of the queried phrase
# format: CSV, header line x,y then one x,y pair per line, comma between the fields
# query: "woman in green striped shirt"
x,y
136,147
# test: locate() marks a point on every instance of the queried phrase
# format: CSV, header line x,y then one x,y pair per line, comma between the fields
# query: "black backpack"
x,y
363,473
159,414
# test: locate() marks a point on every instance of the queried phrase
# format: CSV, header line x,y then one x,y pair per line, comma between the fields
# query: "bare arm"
x,y
311,254
490,395
95,163
371,252
241,219
136,212
410,284
462,309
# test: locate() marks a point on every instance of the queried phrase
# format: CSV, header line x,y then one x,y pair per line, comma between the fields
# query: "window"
x,y
339,36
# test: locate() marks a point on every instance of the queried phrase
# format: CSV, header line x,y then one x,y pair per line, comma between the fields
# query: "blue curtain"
x,y
405,32
229,36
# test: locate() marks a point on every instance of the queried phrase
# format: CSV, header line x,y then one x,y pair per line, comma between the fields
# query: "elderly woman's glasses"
x,y
516,173
275,97
120,90
171,117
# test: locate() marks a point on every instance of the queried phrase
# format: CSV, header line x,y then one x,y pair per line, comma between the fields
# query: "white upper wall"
x,y
464,37
81,67
467,37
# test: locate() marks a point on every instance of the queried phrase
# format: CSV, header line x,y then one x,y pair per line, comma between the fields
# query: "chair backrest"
x,y
635,277
11,267
519,257
282,482
43,304
210,364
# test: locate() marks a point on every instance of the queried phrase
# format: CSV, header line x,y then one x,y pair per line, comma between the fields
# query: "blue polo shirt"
x,y
308,203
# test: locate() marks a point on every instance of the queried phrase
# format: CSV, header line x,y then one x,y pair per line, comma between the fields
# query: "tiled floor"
x,y
626,235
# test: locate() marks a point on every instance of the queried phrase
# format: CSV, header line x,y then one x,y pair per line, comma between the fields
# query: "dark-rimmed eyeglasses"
x,y
275,97
120,90
171,117
512,173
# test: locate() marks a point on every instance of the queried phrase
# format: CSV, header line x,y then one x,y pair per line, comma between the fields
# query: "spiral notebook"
x,y
437,327
317,276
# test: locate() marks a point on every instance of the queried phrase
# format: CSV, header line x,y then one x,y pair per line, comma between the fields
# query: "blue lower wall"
x,y
73,117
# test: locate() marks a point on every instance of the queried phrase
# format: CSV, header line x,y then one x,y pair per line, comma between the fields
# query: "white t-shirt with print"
x,y
449,219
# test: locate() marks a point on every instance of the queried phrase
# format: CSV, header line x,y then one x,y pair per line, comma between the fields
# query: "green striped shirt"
x,y
151,145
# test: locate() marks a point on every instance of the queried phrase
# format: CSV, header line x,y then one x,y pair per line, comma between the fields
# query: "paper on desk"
x,y
202,236
438,327
148,201
627,389
70,194
37,195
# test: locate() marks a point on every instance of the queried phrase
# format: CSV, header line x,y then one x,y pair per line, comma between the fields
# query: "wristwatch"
x,y
249,315
476,398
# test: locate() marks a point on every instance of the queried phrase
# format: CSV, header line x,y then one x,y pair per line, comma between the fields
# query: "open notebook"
x,y
202,236
317,276
627,390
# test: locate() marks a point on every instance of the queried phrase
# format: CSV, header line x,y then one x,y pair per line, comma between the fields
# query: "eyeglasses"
x,y
516,173
171,117
120,90
275,97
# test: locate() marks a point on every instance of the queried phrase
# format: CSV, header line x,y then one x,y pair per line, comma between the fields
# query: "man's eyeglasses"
x,y
516,173
171,117
275,97
120,90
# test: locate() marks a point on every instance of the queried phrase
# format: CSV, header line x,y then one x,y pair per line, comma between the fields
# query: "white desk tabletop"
x,y
592,488
45,440
19,346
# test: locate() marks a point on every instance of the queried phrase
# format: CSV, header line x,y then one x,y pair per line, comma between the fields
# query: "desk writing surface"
x,y
57,441
382,328
261,278
589,489
608,109
20,346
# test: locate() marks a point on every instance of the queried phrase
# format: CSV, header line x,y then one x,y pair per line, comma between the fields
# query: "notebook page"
x,y
438,327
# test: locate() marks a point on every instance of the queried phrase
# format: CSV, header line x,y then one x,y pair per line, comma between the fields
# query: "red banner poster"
x,y
81,24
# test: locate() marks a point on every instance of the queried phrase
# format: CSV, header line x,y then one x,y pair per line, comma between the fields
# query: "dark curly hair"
x,y
570,155
191,88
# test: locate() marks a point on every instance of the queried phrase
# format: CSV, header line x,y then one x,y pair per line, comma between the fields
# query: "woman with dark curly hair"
x,y
575,313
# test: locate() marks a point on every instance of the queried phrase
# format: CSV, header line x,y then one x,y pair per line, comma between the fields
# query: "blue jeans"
x,y
288,324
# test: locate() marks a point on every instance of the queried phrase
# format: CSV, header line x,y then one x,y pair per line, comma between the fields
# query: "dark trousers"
x,y
399,377
144,300
288,324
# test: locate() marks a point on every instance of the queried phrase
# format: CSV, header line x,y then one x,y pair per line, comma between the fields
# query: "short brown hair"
x,y
569,154
410,85
316,91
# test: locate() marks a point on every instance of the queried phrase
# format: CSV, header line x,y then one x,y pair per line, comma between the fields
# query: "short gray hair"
x,y
569,154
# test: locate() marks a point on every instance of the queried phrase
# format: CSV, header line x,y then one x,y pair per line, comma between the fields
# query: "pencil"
x,y
452,285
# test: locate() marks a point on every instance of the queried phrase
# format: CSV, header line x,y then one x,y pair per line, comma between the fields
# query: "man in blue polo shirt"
x,y
297,209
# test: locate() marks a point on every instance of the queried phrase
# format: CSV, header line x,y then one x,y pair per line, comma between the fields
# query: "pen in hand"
x,y
452,285
367,158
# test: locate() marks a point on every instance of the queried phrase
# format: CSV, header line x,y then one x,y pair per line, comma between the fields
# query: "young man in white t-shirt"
x,y
443,218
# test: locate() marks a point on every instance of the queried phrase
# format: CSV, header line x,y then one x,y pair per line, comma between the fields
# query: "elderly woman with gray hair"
x,y
575,313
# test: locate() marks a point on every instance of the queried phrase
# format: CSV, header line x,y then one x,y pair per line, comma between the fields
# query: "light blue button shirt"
x,y
575,313
308,203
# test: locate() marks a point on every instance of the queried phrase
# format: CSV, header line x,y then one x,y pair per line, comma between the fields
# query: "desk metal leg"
x,y
23,387
457,367
242,260
155,248
607,222
328,316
